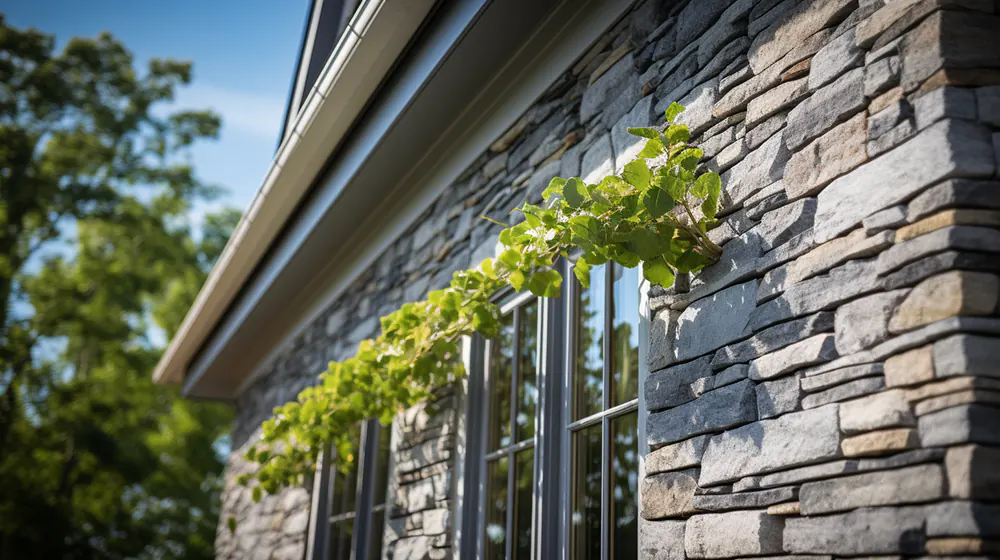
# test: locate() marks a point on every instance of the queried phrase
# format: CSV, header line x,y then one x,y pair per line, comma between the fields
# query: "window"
x,y
512,374
349,523
602,424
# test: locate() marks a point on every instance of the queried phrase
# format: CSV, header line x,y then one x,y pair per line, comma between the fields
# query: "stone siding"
x,y
823,390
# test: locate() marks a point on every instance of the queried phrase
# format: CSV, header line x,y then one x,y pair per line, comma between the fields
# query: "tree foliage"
x,y
96,252
655,213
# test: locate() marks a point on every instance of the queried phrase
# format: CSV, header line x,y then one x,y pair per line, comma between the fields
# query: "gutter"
x,y
366,51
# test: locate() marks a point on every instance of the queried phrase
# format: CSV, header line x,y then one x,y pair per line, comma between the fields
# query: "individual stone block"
x,y
744,500
773,338
885,120
881,75
825,108
715,321
912,485
813,350
661,339
904,459
880,442
598,161
942,402
909,368
781,224
972,472
890,218
948,40
962,546
788,508
972,423
788,32
946,295
757,135
825,380
945,149
672,386
811,472
728,535
988,105
946,102
768,445
826,158
716,410
777,397
888,409
661,539
669,494
967,355
867,531
757,170
680,455
848,390
956,519
864,322
951,385
698,105
618,84
838,56
924,268
954,193
774,100
945,218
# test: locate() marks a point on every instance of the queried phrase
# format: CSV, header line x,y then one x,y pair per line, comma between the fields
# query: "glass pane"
x,y
382,465
585,512
523,477
588,379
625,483
527,388
345,490
625,338
340,539
500,370
375,540
495,540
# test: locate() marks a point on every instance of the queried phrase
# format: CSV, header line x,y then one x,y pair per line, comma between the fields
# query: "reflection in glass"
x,y
382,466
522,498
345,483
625,338
625,482
502,350
495,539
527,388
588,378
585,506
340,539
375,540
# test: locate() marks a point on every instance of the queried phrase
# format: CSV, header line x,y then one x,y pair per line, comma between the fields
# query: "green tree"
x,y
97,252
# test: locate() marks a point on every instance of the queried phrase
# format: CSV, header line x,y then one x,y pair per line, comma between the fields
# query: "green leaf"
x,y
653,148
637,174
644,132
657,272
511,258
677,134
647,244
545,283
657,202
672,111
613,184
256,494
482,320
231,523
582,271
586,227
575,192
689,261
555,187
516,280
711,183
673,186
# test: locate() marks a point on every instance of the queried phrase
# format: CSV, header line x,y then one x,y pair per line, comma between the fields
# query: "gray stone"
x,y
738,533
988,105
972,472
735,74
971,423
947,148
730,156
938,263
888,409
695,18
969,238
813,350
944,103
680,455
626,146
967,354
958,519
904,459
698,105
826,158
953,194
716,410
598,161
661,539
885,120
745,500
715,321
730,25
948,39
423,494
881,75
775,398
788,31
760,133
795,439
661,339
715,143
776,99
669,494
826,107
890,218
892,138
866,531
811,472
864,322
781,224
730,375
910,485
757,170
848,390
611,85
766,200
818,382
766,12
838,56
672,386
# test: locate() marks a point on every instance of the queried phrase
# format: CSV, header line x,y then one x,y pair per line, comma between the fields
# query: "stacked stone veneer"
x,y
829,387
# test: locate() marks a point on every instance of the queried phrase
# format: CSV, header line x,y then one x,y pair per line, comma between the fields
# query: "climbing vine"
x,y
655,213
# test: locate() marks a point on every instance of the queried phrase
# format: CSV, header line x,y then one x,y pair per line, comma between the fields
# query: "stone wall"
x,y
822,390
829,388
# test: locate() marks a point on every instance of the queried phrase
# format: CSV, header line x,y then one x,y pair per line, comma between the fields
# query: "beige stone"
x,y
942,402
797,70
951,385
882,442
884,100
958,77
910,368
888,409
953,217
972,472
775,99
953,293
953,546
826,158
788,508
669,494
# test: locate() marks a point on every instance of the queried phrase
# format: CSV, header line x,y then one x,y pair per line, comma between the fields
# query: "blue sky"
x,y
243,54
